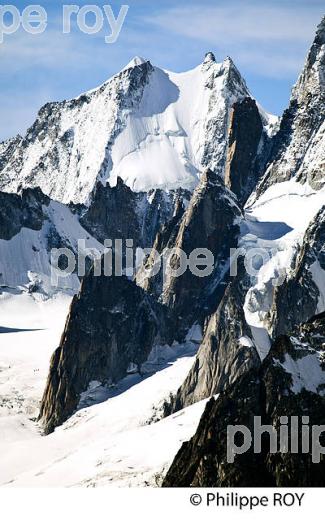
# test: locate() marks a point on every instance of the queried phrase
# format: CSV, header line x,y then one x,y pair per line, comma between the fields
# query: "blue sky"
x,y
267,39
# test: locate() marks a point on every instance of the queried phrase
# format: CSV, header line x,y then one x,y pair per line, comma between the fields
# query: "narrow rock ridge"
x,y
244,139
282,387
227,350
112,323
211,221
299,146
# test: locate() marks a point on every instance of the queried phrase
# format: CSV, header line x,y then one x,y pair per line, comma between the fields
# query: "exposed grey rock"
x,y
119,213
165,238
223,356
298,148
7,149
244,139
300,285
112,323
211,221
269,393
24,210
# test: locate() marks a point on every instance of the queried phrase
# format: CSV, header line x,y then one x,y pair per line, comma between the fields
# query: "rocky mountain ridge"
x,y
279,388
298,148
141,125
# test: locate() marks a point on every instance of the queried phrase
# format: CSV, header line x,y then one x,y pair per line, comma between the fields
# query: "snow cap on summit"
x,y
137,60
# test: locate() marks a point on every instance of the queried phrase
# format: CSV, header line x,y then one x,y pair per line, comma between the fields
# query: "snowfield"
x,y
276,224
119,441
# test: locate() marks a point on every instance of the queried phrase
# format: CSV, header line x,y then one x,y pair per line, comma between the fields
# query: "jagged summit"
x,y
298,148
209,57
229,61
312,79
151,127
321,30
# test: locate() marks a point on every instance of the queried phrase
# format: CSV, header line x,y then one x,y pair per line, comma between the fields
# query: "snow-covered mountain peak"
x,y
135,62
151,127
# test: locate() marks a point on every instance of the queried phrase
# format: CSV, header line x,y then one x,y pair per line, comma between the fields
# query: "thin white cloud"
x,y
49,50
268,40
248,23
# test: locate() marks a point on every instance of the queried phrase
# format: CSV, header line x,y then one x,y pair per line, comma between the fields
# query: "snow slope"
x,y
276,224
114,442
25,260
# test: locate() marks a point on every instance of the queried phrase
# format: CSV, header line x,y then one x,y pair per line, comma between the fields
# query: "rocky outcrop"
x,y
298,148
24,210
112,323
165,239
244,139
303,284
227,350
117,212
210,222
290,383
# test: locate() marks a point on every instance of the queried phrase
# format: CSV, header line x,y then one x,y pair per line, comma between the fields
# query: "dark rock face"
x,y
111,324
165,238
202,461
282,387
223,356
298,147
300,286
18,211
245,134
210,222
120,213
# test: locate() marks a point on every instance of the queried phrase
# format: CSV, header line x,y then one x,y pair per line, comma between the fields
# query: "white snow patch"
x,y
306,373
318,275
276,223
245,341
